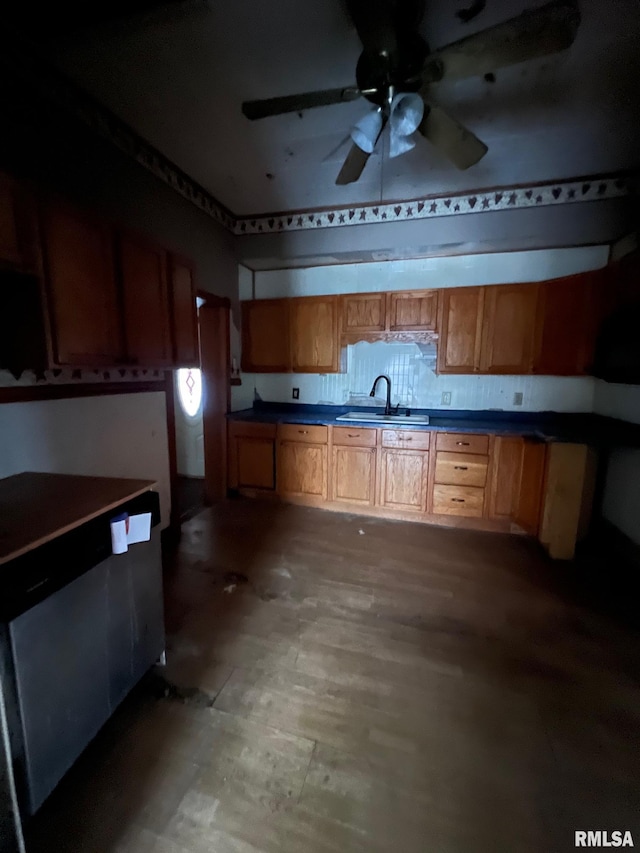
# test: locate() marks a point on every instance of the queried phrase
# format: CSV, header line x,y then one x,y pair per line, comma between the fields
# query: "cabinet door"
x,y
315,347
145,300
363,312
567,335
82,289
509,328
354,475
528,510
413,311
505,477
302,469
184,318
265,336
460,329
403,479
255,460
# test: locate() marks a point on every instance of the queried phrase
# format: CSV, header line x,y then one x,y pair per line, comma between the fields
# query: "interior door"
x,y
213,319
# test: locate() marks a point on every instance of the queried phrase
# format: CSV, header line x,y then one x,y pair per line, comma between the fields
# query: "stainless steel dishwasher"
x,y
80,628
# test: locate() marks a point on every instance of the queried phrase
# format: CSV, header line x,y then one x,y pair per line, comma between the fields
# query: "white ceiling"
x,y
179,75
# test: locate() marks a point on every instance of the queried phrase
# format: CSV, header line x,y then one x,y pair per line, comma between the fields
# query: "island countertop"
x,y
35,508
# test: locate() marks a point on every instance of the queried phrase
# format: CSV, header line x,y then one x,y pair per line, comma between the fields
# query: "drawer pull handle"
x,y
460,468
462,443
457,500
303,431
405,438
353,434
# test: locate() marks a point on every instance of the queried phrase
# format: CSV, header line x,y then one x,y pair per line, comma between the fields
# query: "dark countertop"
x,y
36,508
591,429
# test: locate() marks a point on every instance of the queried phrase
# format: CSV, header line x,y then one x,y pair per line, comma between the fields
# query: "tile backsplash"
x,y
411,368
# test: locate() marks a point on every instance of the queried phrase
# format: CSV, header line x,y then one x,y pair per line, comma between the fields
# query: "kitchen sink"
x,y
381,418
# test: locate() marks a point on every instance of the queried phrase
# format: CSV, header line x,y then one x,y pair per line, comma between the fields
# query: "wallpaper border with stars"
x,y
61,92
596,188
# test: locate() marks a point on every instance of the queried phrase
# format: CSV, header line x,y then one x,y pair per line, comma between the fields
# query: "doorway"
x,y
198,399
213,322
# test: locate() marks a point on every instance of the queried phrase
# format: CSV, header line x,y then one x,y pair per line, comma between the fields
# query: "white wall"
x,y
622,490
122,435
417,273
415,384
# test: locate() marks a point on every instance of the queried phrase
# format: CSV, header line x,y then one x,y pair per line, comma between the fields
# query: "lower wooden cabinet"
x,y
458,500
252,456
403,479
499,483
302,470
353,475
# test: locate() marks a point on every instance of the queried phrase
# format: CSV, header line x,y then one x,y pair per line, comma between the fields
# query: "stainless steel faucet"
x,y
372,393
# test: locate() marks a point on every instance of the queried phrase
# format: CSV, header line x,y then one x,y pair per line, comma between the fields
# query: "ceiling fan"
x,y
396,70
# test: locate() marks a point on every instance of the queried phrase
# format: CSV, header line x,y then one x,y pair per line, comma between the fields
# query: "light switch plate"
x,y
296,393
517,398
446,398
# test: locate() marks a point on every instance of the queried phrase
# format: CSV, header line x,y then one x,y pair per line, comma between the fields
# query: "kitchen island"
x,y
79,626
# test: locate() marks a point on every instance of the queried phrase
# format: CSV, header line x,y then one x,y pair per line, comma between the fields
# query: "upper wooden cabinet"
x,y
184,317
364,312
388,316
569,315
86,296
265,336
460,324
18,227
143,267
82,288
413,311
509,328
315,347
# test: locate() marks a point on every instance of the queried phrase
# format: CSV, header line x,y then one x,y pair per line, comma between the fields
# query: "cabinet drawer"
x,y
411,439
244,429
458,500
354,437
456,442
461,469
303,432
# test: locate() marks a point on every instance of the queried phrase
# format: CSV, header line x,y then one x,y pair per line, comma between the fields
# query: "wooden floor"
x,y
373,686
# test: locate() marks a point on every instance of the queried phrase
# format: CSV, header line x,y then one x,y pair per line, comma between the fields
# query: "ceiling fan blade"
x,y
462,147
536,32
353,166
296,103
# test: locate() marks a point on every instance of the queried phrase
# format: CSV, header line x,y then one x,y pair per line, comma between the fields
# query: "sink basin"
x,y
381,418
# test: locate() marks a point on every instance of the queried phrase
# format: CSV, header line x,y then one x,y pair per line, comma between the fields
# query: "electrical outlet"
x,y
517,398
296,393
446,398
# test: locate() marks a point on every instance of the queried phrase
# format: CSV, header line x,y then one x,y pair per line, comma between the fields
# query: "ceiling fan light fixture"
x,y
399,144
366,132
407,110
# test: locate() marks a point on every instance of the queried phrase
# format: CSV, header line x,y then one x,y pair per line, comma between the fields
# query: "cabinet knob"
x,y
460,468
373,450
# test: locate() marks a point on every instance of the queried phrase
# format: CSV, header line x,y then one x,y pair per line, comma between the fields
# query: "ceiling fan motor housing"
x,y
379,70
